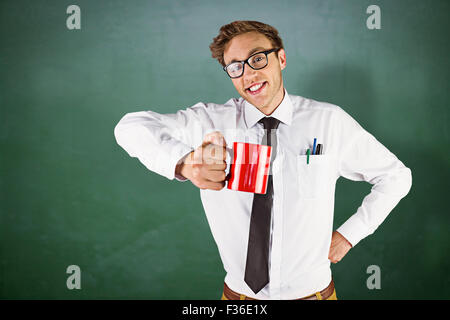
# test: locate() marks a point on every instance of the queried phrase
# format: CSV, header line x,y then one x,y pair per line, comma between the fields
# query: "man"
x,y
278,245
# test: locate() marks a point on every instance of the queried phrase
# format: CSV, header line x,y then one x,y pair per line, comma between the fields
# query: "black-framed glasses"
x,y
256,61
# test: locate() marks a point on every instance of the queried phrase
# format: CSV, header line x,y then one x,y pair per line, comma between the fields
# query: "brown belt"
x,y
324,294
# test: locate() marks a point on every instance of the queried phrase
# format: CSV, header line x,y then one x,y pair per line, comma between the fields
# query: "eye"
x,y
234,67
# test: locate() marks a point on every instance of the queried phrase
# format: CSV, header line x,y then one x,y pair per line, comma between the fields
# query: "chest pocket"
x,y
316,177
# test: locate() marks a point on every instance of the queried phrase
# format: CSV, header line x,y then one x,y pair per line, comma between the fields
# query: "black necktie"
x,y
257,266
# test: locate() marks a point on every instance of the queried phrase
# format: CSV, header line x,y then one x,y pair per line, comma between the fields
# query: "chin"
x,y
254,102
258,102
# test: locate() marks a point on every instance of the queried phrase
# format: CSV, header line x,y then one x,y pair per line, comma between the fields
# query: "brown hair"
x,y
235,28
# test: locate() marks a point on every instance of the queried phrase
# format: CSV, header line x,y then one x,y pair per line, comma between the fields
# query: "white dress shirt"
x,y
303,202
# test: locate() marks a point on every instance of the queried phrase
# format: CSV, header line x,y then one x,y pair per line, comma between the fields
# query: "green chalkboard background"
x,y
69,195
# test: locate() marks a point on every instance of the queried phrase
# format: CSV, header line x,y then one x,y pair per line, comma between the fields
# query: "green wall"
x,y
69,195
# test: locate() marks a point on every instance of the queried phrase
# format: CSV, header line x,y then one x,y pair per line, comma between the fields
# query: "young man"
x,y
278,245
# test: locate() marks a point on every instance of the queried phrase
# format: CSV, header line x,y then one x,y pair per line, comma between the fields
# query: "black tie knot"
x,y
269,123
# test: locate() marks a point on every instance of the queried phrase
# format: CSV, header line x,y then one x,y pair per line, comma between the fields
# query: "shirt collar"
x,y
283,112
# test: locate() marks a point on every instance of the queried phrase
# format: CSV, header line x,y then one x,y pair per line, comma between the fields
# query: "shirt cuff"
x,y
354,230
167,165
180,178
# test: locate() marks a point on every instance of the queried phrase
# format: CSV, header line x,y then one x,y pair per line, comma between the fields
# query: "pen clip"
x,y
319,148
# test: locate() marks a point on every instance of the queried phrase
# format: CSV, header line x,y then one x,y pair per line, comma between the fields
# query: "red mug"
x,y
249,170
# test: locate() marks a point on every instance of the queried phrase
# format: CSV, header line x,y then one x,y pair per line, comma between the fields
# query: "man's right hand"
x,y
205,166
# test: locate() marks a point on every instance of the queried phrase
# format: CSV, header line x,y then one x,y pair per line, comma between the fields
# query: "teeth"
x,y
254,88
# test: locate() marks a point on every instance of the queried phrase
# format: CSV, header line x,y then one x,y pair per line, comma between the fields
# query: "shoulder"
x,y
321,110
307,104
303,105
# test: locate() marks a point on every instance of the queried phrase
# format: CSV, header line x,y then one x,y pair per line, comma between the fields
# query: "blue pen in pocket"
x,y
314,146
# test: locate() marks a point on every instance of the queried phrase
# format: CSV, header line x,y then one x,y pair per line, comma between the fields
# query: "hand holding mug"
x,y
205,166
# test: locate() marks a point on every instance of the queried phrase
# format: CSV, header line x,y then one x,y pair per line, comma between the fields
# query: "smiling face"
x,y
269,96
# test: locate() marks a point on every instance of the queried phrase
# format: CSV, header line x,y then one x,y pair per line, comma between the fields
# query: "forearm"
x,y
155,142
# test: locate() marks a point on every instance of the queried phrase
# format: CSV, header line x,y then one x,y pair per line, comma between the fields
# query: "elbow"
x,y
402,182
121,130
117,130
397,184
121,126
407,181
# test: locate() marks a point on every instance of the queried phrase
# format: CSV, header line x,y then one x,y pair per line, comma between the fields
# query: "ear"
x,y
282,58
